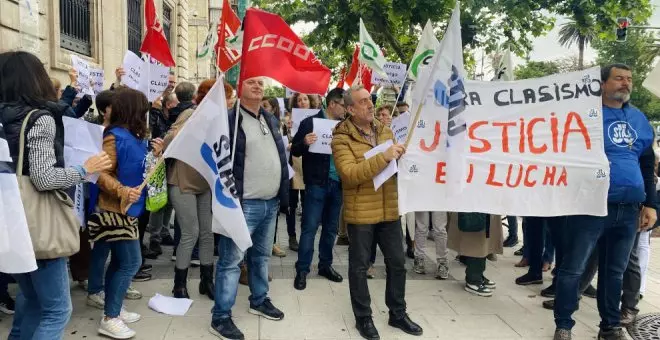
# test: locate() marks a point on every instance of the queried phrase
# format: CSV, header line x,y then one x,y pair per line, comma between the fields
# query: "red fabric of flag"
x,y
229,24
271,49
342,77
365,77
154,42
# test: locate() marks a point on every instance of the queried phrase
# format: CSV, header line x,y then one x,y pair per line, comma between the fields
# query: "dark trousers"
x,y
322,206
390,239
535,235
632,280
512,222
143,224
4,283
79,262
613,236
291,213
474,269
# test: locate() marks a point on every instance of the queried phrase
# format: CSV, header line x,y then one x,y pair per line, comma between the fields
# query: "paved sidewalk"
x,y
323,310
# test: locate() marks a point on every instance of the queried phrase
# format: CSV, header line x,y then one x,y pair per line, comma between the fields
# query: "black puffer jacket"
x,y
12,116
239,159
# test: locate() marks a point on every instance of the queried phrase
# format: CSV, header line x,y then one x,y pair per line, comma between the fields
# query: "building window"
x,y
75,28
134,26
167,23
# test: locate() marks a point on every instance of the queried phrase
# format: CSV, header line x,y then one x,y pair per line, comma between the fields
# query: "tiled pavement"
x,y
323,310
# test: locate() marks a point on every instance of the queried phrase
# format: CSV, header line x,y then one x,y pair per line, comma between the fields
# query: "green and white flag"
x,y
426,47
370,53
211,37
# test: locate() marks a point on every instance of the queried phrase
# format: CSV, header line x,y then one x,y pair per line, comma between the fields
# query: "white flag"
x,y
204,143
504,69
211,37
440,130
16,252
370,52
426,47
652,81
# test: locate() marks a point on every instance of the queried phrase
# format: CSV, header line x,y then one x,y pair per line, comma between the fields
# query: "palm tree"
x,y
581,32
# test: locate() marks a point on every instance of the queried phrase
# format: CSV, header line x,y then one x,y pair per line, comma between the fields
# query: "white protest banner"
x,y
400,127
535,148
84,79
297,116
396,74
323,130
81,141
154,80
204,144
389,171
97,77
133,67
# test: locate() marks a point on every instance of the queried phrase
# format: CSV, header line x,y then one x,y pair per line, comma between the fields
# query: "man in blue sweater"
x,y
630,205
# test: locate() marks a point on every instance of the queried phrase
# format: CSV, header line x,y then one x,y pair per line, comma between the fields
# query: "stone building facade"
x,y
101,31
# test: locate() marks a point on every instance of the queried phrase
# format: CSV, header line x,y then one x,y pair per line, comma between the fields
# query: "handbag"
x,y
473,222
53,225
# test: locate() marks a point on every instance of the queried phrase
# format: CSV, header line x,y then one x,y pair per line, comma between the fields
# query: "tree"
x,y
395,25
536,69
579,31
274,91
638,52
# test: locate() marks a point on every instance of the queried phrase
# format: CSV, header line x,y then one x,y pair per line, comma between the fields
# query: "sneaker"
x,y
550,305
129,317
293,244
529,279
146,267
628,316
267,310
115,328
549,292
141,277
488,283
442,273
7,305
590,292
479,290
371,272
226,329
96,300
562,334
518,252
418,265
133,294
615,333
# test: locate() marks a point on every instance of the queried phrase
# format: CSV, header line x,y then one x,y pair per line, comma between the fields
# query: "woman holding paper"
x,y
297,101
114,226
31,117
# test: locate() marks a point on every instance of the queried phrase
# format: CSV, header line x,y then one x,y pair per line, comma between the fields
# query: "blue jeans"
x,y
260,216
125,262
614,236
322,206
43,304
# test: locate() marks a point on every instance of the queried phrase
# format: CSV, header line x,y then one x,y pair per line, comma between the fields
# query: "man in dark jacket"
x,y
628,140
323,196
185,92
261,173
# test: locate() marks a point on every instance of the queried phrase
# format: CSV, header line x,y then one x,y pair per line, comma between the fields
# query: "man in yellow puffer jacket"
x,y
370,213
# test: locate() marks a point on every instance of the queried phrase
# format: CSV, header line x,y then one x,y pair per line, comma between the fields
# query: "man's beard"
x,y
621,96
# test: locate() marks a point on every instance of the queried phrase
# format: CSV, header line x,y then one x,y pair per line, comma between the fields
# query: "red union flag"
x,y
271,49
154,42
227,28
365,72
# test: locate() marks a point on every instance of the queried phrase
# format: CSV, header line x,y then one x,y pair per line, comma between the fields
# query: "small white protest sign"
x,y
297,116
323,130
133,67
83,69
400,127
396,74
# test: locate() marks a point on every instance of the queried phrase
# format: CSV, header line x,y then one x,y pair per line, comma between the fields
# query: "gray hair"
x,y
348,95
185,91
